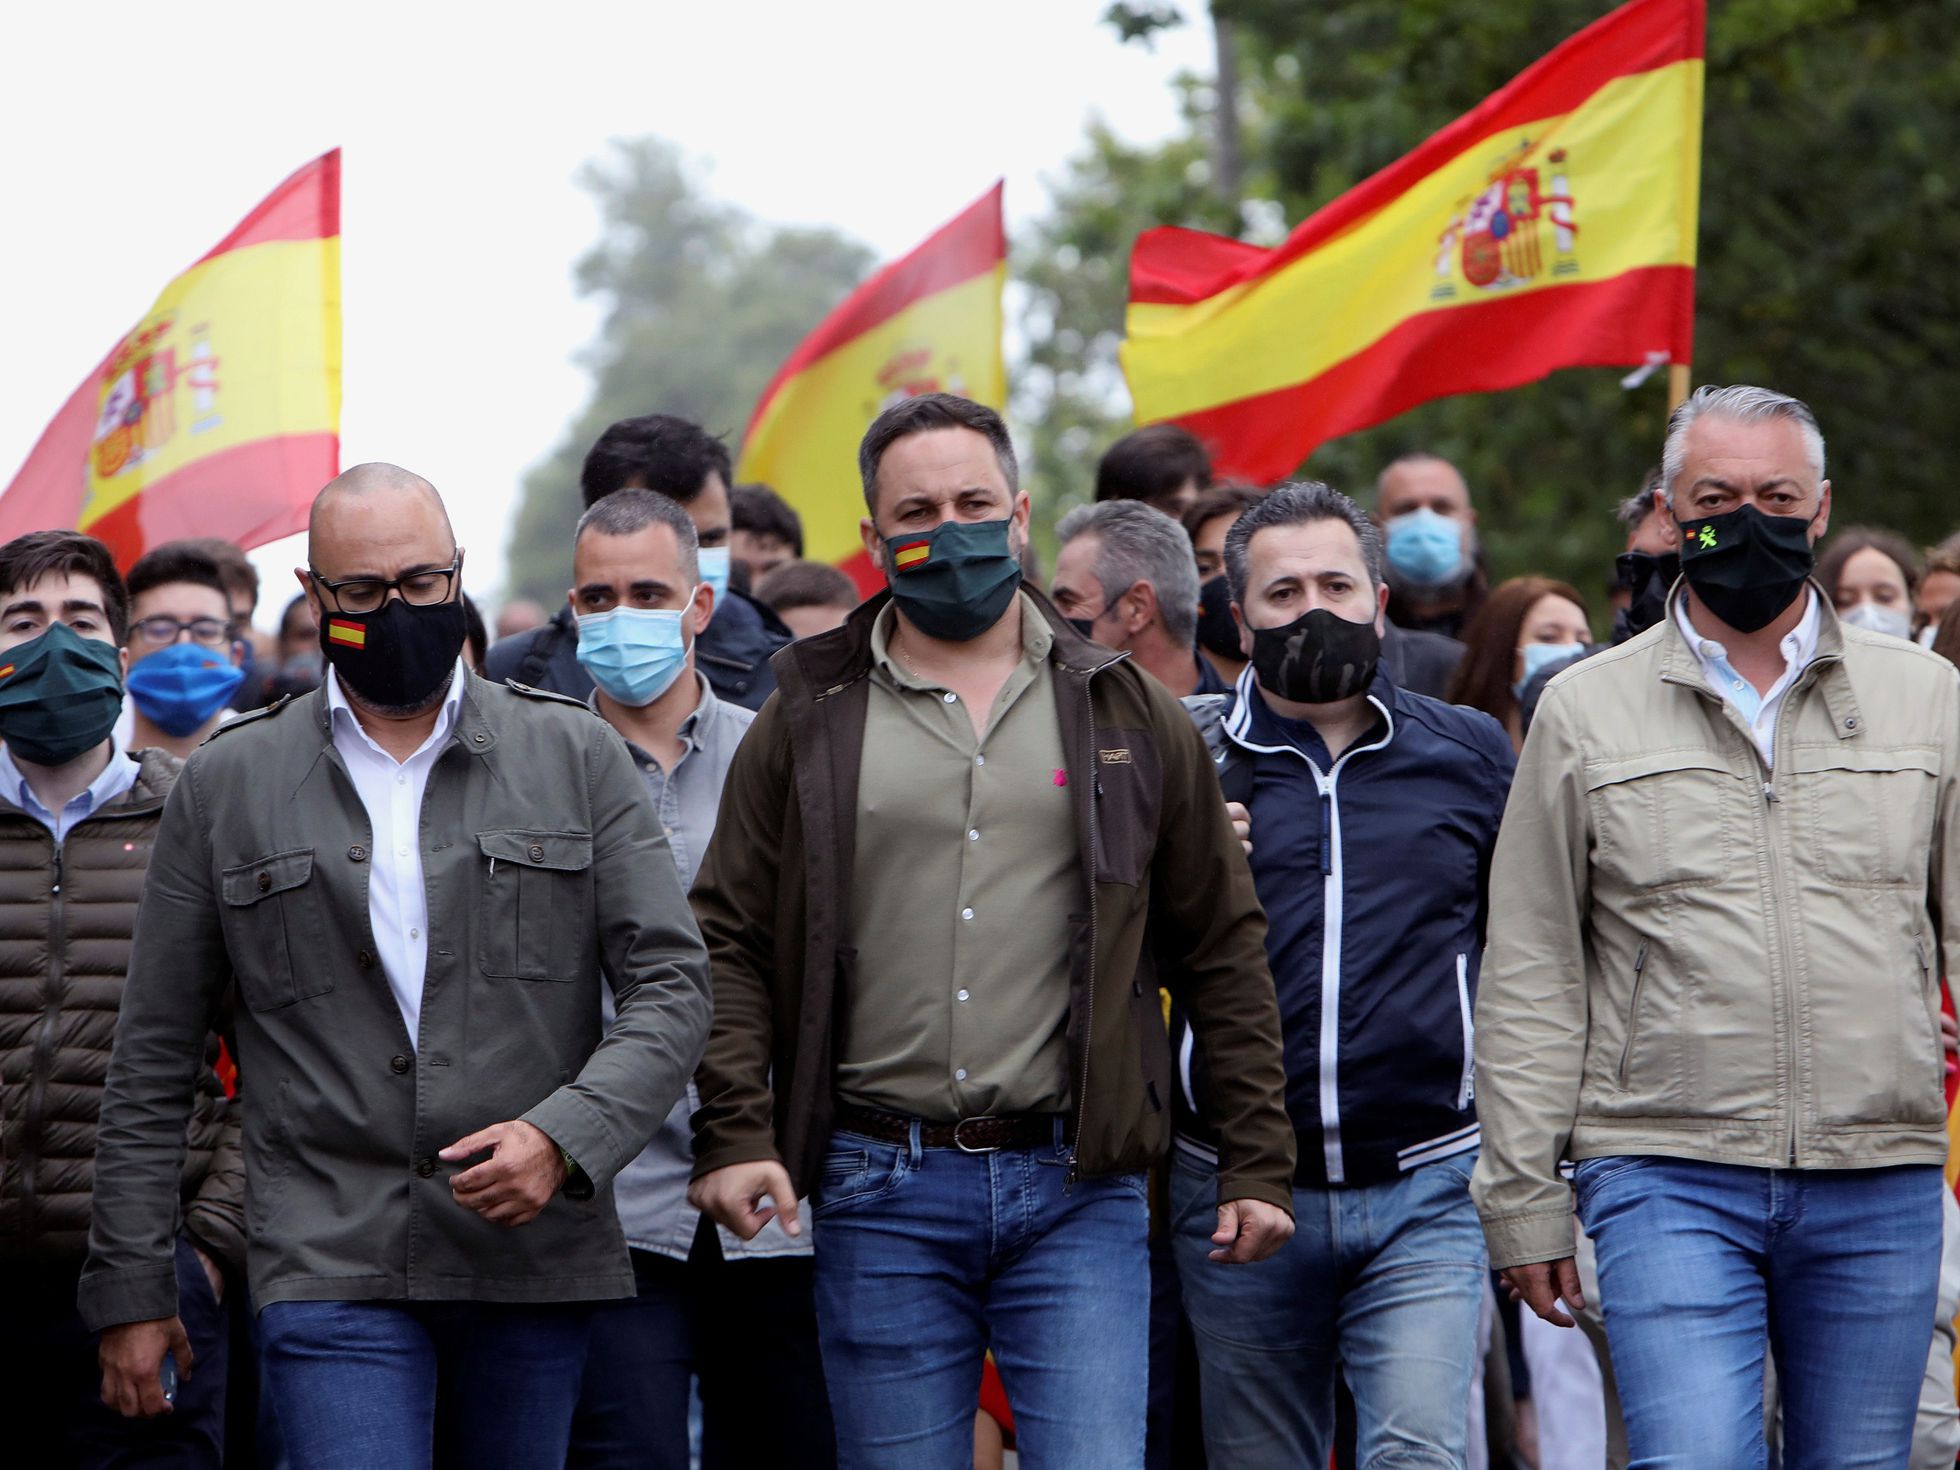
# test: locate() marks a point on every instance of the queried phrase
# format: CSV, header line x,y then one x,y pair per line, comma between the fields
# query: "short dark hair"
x,y
1300,504
806,584
625,511
1152,462
1220,500
176,561
26,559
669,456
1632,512
922,414
762,512
476,637
235,568
286,618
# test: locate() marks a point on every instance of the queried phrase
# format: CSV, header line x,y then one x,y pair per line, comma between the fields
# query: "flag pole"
x,y
1679,381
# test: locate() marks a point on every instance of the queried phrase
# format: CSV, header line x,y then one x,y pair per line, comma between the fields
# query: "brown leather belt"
x,y
969,1135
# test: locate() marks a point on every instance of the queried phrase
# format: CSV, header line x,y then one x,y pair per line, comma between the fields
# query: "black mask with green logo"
x,y
1745,566
60,694
954,581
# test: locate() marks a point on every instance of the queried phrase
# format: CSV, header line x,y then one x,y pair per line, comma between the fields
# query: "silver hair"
x,y
1139,544
625,511
1300,504
1745,404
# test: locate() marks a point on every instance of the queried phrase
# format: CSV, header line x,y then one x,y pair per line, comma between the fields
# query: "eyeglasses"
x,y
366,594
162,629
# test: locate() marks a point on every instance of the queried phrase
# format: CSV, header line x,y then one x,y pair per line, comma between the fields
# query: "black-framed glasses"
x,y
162,629
366,594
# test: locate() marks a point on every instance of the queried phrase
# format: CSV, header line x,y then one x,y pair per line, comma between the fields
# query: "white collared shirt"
x,y
1758,711
116,778
391,790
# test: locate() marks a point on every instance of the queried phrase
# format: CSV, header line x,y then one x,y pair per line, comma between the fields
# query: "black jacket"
x,y
732,654
1422,663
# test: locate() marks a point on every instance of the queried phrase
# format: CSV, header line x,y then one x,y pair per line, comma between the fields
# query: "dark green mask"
x,y
59,695
954,581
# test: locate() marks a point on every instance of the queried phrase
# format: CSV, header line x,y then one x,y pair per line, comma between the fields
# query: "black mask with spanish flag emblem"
x,y
398,658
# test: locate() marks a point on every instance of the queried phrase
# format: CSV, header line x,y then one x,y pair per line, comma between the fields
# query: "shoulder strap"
x,y
537,658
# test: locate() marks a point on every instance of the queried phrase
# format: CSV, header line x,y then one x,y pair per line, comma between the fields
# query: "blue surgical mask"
x,y
714,570
1541,656
180,687
1426,548
1876,619
633,653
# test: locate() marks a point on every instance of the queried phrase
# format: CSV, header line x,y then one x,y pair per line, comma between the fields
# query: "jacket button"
x,y
357,853
265,882
425,1167
365,960
537,853
399,1065
479,739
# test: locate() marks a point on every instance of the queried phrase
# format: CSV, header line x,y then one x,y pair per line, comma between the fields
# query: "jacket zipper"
x,y
1927,987
1767,818
1466,1089
1633,1010
1095,851
44,1045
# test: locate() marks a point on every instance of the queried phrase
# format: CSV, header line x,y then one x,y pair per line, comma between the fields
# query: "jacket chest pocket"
x,y
1129,796
1870,812
1669,819
536,904
273,930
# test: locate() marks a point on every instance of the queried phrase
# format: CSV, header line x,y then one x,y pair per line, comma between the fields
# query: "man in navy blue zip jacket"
x,y
1374,814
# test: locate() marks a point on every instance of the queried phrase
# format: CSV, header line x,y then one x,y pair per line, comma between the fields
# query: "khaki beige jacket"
x,y
1697,956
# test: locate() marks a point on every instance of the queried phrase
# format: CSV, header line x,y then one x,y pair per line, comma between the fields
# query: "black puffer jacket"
x,y
66,918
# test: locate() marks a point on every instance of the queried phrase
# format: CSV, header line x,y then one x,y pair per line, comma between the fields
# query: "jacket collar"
x,y
476,726
1680,664
1253,724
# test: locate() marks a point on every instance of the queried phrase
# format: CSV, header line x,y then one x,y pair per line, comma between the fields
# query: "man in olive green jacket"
x,y
418,882
1721,903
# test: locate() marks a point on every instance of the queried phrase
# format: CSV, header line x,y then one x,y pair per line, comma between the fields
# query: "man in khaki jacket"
x,y
1713,980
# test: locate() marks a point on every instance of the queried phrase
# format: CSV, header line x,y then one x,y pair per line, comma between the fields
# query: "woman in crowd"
x,y
1524,625
1939,586
1870,576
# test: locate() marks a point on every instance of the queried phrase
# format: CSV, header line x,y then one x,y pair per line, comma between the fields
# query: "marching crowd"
x,y
1237,999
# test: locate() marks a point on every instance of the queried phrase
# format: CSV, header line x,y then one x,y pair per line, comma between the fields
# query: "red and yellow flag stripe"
x,y
1553,226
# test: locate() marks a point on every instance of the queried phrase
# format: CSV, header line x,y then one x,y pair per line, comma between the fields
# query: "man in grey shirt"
x,y
418,882
640,604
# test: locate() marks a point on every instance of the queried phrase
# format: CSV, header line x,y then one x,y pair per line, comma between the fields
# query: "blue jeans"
x,y
1381,1283
928,1257
1702,1266
404,1384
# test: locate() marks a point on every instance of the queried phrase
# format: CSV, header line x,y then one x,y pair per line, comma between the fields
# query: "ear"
x,y
1381,610
702,605
1245,632
874,544
571,600
312,595
1023,508
122,658
1823,522
1143,608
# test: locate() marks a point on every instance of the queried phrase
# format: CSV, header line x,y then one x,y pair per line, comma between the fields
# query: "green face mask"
x,y
60,694
954,581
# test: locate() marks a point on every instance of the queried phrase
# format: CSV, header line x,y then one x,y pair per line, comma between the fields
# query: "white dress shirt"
x,y
1758,711
391,790
116,778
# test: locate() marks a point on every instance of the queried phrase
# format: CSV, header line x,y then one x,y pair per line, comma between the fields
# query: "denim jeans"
x,y
51,1409
1702,1266
482,1385
928,1257
1381,1283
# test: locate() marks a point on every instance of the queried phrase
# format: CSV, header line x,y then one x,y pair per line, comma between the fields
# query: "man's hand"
x,y
1241,824
211,1274
1543,1285
519,1178
1249,1230
132,1365
733,1196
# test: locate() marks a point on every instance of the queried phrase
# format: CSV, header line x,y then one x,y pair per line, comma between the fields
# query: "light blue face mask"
x,y
634,654
714,570
1426,547
1541,656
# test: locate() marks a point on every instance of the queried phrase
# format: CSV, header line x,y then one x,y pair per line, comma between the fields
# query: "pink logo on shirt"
x,y
1061,777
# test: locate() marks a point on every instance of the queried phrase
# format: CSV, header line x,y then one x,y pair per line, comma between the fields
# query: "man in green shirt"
x,y
952,853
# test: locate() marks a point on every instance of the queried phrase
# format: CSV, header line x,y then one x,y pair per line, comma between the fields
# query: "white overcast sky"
x,y
138,133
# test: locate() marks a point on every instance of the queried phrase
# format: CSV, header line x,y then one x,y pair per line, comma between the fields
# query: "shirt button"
x,y
1737,684
265,882
401,780
960,1075
537,853
966,914
398,1065
962,995
415,934
979,760
357,853
401,852
973,834
365,960
425,1167
952,698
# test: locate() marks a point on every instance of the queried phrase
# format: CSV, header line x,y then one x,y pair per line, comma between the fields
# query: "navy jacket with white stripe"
x,y
1373,871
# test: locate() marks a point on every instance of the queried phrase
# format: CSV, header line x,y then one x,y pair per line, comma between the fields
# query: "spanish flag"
x,y
927,323
218,414
1551,227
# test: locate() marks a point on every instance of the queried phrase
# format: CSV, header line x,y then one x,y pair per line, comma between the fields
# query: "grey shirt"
x,y
652,1190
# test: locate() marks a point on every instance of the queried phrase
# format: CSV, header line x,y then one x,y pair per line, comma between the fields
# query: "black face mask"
x,y
1746,567
1647,579
397,658
1217,633
60,694
1317,658
1085,626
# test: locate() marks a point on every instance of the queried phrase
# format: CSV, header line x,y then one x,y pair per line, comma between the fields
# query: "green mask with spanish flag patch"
x,y
954,581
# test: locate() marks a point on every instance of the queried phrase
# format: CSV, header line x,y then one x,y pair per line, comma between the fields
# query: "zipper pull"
x,y
1326,834
493,867
1769,792
1068,1179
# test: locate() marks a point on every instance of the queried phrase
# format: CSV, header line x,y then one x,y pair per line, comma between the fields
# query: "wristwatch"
x,y
577,1186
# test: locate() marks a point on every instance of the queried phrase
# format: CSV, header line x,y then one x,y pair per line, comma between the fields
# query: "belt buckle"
x,y
988,1149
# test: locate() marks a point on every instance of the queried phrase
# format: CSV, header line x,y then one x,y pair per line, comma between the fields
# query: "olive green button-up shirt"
x,y
966,876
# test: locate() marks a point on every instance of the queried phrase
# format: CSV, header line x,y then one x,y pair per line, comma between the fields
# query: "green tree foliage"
x,y
1827,267
702,306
